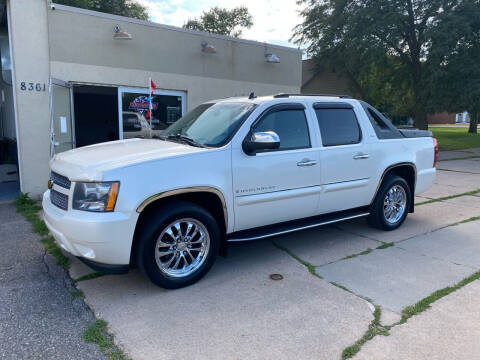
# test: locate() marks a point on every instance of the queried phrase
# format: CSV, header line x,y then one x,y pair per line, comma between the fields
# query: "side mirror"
x,y
268,140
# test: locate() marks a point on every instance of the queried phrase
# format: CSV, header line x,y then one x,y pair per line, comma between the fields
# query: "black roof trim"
x,y
286,95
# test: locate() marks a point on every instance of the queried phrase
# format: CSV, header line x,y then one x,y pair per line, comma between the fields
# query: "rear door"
x,y
277,185
347,166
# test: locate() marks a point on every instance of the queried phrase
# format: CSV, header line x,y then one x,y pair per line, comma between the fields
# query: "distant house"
x,y
323,82
442,118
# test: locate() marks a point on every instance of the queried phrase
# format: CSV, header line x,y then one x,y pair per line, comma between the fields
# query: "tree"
x,y
454,71
118,7
358,34
222,21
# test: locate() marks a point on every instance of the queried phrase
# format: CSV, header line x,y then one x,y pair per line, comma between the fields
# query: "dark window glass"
x,y
338,126
377,121
290,125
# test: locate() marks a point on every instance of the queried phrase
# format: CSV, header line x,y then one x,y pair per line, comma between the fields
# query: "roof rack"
x,y
285,95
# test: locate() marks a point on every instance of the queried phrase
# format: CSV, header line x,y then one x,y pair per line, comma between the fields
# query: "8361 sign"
x,y
31,86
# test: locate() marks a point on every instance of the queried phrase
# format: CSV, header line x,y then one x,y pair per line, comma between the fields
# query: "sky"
x,y
273,20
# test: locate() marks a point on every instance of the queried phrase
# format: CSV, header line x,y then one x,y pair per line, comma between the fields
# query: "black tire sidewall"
x,y
152,228
379,216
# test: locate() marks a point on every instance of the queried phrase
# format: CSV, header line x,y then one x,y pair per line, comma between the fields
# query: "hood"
x,y
90,162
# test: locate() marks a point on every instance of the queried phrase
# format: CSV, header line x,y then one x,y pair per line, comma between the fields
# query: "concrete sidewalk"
x,y
238,312
449,330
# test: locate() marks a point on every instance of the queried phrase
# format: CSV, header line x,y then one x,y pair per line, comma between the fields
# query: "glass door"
x,y
134,114
62,129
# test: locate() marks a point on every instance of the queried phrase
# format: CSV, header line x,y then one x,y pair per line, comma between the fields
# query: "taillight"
x,y
435,152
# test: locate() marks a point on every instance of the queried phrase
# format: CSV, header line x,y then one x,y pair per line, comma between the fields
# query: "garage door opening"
x,y
96,114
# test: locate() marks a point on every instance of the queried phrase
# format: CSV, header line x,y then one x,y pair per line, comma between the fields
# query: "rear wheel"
x,y
177,245
390,207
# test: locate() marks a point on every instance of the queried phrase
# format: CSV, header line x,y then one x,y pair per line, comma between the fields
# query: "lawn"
x,y
455,138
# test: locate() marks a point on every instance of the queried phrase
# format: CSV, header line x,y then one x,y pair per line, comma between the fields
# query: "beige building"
x,y
324,82
73,77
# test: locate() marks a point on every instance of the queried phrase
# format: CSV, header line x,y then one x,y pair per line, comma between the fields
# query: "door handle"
x,y
307,162
361,156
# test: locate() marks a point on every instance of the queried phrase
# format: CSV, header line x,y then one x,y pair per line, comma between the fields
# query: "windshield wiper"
x,y
184,139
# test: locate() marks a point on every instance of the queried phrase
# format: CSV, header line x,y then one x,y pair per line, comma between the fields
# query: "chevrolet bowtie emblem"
x,y
50,184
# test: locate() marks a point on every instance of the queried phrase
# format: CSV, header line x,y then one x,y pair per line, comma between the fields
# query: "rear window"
x,y
338,126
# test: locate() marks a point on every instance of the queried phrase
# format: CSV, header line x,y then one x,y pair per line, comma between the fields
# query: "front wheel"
x,y
390,207
177,245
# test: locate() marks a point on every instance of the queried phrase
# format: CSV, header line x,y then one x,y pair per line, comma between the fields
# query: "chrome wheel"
x,y
394,204
182,247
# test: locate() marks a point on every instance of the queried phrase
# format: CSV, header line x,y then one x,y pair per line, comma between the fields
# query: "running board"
x,y
296,225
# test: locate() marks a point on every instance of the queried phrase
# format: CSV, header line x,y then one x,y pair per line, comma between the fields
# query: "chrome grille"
x,y
60,180
58,199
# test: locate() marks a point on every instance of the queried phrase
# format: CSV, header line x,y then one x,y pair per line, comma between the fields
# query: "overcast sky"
x,y
273,20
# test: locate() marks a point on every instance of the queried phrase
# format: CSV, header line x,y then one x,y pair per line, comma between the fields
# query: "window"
x,y
211,125
290,125
338,126
376,120
383,128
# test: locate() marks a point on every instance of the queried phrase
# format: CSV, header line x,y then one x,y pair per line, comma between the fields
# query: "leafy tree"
x,y
118,7
454,70
222,21
357,35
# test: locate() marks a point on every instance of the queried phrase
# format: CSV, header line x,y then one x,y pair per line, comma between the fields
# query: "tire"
x,y
398,201
199,236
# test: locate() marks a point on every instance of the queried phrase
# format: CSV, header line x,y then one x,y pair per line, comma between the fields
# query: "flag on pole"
x,y
152,86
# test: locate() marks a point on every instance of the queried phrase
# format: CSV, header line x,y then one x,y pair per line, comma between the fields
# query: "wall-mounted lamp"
x,y
118,34
208,48
271,57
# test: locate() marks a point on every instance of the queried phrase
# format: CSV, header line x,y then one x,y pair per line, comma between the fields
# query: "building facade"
x,y
79,77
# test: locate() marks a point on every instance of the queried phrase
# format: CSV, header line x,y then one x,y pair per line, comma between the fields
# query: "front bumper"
x,y
101,239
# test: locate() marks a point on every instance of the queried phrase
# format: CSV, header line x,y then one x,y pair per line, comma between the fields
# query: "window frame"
x,y
277,108
333,106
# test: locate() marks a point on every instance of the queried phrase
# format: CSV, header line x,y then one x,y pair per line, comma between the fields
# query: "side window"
x,y
377,121
383,128
338,126
290,125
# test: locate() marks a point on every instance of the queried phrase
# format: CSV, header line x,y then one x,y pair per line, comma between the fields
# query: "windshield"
x,y
211,125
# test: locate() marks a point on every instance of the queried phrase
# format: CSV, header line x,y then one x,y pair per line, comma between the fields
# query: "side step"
x,y
295,225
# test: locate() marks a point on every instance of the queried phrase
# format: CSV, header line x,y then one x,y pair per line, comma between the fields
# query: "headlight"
x,y
95,196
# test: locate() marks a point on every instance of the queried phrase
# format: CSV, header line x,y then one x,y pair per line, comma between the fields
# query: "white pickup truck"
x,y
235,169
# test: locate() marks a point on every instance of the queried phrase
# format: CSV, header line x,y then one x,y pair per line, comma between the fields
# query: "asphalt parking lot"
x,y
238,312
333,278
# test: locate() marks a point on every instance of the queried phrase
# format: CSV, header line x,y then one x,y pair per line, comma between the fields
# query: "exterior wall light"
x,y
208,48
271,57
118,34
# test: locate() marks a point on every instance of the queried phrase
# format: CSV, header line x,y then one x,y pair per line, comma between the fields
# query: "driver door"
x,y
273,186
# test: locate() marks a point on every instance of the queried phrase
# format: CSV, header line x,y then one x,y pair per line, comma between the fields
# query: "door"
x,y
61,116
347,165
277,185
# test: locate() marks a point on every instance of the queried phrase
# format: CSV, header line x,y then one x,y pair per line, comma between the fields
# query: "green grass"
x,y
30,210
91,276
368,251
309,266
385,245
97,333
77,293
374,329
455,138
473,192
425,303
